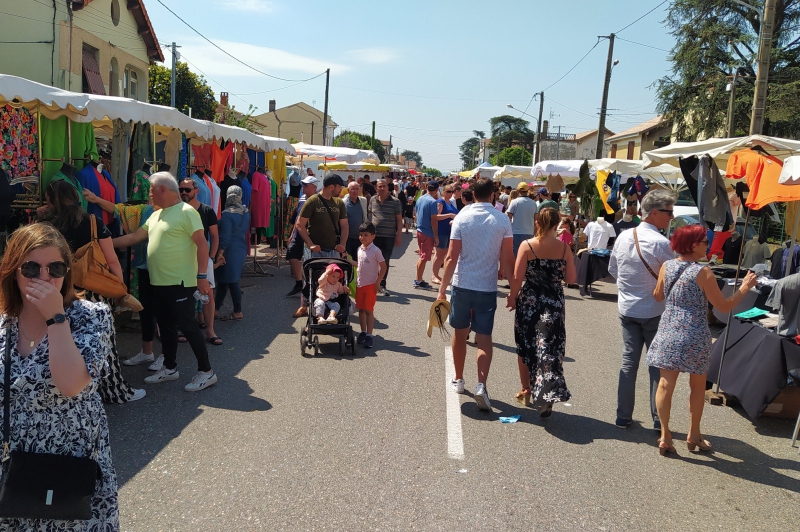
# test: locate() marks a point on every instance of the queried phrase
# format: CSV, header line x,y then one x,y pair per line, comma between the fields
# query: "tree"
x,y
191,90
412,156
468,150
516,156
433,172
713,39
360,141
508,130
231,117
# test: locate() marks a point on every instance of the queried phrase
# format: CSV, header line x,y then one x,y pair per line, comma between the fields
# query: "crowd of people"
x,y
475,232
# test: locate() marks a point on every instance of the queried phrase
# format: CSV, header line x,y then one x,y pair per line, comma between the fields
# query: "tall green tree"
x,y
508,130
360,141
433,172
713,39
191,90
412,156
468,150
231,117
515,156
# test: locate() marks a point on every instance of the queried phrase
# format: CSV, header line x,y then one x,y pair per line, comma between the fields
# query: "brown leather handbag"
x,y
90,269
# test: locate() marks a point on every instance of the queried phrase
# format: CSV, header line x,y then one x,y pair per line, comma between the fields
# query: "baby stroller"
x,y
312,269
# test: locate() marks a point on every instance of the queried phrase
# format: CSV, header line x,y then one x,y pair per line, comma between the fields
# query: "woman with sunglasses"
x,y
76,227
683,341
59,347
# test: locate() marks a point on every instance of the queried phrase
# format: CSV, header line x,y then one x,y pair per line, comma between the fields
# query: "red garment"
x,y
202,155
260,201
219,161
762,174
108,193
719,240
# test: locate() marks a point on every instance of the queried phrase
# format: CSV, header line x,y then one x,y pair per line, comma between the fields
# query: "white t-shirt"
x,y
481,229
524,209
598,234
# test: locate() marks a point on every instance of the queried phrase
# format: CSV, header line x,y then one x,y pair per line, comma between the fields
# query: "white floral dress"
x,y
45,421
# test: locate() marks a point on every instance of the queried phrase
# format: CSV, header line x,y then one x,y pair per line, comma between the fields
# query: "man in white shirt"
x,y
480,237
636,269
522,213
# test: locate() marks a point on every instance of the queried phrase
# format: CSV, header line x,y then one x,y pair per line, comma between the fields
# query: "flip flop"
x,y
231,317
201,325
214,340
182,339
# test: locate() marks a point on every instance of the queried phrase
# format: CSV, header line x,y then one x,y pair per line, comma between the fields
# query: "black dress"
x,y
539,328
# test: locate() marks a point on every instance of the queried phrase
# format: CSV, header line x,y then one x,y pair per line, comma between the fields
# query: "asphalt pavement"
x,y
329,442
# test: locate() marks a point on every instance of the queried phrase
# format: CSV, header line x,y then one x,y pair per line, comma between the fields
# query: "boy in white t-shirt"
x,y
371,269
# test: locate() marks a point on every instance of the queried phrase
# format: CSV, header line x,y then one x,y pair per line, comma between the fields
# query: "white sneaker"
x,y
458,385
158,364
137,394
200,381
322,320
482,397
162,375
139,358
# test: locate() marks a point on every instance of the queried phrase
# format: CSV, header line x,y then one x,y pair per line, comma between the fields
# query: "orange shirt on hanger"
x,y
762,174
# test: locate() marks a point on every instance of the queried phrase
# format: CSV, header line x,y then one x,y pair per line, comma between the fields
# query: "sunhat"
x,y
440,309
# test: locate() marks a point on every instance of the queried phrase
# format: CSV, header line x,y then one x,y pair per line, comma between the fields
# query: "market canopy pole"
x,y
598,153
762,74
325,114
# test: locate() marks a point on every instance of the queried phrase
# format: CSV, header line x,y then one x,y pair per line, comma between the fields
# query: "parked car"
x,y
684,219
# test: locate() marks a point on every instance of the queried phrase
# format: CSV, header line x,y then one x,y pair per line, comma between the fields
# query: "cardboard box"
x,y
786,405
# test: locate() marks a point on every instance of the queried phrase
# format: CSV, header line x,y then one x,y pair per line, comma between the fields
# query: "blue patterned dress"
x,y
683,341
539,328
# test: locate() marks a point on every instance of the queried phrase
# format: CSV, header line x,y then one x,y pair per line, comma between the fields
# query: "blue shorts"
x,y
518,240
473,309
444,241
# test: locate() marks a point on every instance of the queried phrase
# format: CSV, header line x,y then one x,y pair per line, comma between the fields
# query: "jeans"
x,y
146,316
236,295
518,240
636,333
320,307
174,307
386,245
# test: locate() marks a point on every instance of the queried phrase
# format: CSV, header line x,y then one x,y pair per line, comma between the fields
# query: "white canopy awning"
x,y
348,155
567,168
513,172
720,149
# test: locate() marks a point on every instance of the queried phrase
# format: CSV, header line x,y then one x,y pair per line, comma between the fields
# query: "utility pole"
x,y
312,132
601,128
539,128
325,115
762,74
172,85
558,143
731,102
372,144
388,159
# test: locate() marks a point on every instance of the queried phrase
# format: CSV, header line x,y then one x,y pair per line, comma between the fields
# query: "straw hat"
x,y
440,309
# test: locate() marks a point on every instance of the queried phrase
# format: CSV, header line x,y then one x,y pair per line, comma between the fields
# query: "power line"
x,y
645,45
233,56
640,18
421,96
215,81
573,110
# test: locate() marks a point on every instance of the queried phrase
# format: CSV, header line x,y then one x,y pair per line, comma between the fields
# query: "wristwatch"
x,y
58,318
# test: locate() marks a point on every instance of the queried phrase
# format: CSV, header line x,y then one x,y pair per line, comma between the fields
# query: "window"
x,y
115,12
130,84
631,146
134,85
613,151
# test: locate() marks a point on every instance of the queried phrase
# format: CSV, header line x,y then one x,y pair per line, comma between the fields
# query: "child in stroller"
x,y
329,286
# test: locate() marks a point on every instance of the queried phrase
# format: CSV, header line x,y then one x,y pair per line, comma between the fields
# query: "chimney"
x,y
545,126
223,99
272,106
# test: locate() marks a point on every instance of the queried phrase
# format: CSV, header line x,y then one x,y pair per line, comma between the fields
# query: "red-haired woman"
x,y
683,341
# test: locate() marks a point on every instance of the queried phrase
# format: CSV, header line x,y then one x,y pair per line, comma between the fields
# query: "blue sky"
x,y
427,71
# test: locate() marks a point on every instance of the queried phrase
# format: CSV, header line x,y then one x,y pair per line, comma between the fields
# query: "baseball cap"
x,y
433,185
523,187
333,179
310,180
543,191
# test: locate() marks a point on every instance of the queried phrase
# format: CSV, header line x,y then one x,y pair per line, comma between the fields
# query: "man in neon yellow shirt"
x,y
177,259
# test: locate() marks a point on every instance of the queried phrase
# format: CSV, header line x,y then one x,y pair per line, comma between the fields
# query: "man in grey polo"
x,y
636,271
522,212
356,206
387,215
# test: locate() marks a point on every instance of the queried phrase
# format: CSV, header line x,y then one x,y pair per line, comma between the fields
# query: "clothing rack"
x,y
278,257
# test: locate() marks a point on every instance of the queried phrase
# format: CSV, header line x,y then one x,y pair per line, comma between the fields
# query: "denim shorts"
x,y
444,241
473,309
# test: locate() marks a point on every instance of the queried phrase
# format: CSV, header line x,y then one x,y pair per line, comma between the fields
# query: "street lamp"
x,y
533,155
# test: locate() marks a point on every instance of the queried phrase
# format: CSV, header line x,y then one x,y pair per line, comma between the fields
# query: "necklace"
x,y
31,343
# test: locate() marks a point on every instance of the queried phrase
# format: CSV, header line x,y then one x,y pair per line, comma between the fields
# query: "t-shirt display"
x,y
786,297
598,233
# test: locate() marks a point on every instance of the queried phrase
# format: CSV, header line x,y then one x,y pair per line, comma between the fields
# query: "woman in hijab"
x,y
234,227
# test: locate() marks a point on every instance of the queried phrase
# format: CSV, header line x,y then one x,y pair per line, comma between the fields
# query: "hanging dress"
x,y
260,201
539,328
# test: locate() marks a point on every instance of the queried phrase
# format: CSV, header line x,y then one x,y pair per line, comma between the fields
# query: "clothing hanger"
x,y
760,149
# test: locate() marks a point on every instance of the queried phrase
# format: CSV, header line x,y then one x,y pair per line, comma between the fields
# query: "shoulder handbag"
x,y
334,222
90,269
639,251
42,485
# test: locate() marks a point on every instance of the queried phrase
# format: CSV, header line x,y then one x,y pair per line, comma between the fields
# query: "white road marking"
x,y
455,438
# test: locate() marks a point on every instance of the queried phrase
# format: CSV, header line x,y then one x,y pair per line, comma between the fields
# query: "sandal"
x,y
545,410
232,317
703,445
665,447
523,397
214,340
202,325
182,339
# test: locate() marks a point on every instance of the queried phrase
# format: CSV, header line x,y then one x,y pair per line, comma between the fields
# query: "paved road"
x,y
285,442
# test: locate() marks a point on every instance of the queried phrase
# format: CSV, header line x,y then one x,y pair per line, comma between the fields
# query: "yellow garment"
x,y
276,163
130,216
791,216
603,190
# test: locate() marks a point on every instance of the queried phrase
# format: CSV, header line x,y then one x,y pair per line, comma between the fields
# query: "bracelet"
x,y
202,276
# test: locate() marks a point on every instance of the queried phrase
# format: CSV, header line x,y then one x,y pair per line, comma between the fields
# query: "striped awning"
x,y
92,73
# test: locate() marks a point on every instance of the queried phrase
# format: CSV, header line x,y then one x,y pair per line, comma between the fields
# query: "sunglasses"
x,y
31,269
186,190
666,211
704,241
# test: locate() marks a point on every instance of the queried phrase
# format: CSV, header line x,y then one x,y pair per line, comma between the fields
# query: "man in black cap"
x,y
322,223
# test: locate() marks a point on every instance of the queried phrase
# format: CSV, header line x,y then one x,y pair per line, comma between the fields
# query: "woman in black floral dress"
x,y
543,262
